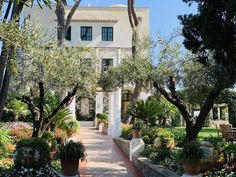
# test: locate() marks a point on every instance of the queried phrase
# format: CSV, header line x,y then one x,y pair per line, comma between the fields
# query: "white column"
x,y
114,127
99,102
111,113
117,114
99,105
72,107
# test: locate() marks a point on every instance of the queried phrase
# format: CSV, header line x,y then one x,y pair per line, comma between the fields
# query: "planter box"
x,y
124,145
86,123
148,169
145,166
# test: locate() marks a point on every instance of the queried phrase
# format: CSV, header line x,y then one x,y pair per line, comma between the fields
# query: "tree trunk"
x,y
193,130
3,93
134,23
4,72
137,91
60,13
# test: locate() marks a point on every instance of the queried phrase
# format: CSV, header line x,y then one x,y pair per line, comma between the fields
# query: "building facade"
x,y
107,31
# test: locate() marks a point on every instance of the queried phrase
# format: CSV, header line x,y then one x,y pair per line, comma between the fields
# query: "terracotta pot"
x,y
137,133
69,167
192,167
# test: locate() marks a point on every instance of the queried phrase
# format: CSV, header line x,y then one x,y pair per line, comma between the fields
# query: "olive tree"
x,y
47,67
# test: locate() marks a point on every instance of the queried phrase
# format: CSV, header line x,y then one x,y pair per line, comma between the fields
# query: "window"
x,y
68,34
86,33
106,62
107,33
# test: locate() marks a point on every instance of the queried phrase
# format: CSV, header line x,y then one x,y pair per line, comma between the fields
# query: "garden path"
x,y
105,159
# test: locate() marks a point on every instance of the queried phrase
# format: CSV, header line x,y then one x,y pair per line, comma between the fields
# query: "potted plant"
x,y
102,119
191,156
146,111
137,129
71,126
70,155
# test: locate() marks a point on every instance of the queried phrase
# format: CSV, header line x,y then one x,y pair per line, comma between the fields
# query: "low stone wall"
x,y
124,145
145,165
148,169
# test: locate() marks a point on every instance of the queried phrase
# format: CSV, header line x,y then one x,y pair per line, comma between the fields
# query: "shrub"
x,y
176,121
50,139
138,126
102,117
47,171
5,140
230,151
60,136
35,149
18,134
179,138
71,126
148,151
126,133
17,125
146,139
146,111
192,152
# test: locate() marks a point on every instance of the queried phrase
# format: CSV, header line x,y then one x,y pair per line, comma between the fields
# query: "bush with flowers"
x,y
47,171
32,153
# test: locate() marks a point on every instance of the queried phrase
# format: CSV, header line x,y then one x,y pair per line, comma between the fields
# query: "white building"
x,y
107,30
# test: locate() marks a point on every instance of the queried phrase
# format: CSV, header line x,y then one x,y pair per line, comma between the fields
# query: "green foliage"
x,y
228,97
38,149
70,126
148,151
192,152
102,117
73,151
144,110
131,71
151,132
17,107
50,139
60,117
162,155
217,143
138,126
126,133
180,138
146,139
5,139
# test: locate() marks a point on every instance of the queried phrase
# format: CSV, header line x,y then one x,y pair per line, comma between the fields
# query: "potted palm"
x,y
144,110
70,155
137,129
191,156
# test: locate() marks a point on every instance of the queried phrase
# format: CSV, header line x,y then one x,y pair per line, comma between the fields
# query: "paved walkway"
x,y
105,159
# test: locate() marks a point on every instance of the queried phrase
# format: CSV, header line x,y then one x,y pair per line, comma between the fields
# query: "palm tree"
x,y
144,110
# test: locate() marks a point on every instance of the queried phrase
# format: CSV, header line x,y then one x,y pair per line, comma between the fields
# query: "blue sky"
x,y
163,13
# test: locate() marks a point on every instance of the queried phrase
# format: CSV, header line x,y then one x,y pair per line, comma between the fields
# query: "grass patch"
x,y
205,132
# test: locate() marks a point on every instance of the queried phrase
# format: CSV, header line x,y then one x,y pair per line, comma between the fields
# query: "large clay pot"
x,y
137,133
192,167
69,167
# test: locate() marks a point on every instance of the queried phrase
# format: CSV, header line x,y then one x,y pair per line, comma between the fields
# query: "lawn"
x,y
205,132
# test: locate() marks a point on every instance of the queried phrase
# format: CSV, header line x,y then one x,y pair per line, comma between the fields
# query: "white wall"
x,y
97,17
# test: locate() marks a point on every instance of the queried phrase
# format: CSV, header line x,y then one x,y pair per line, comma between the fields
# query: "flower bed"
x,y
162,151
